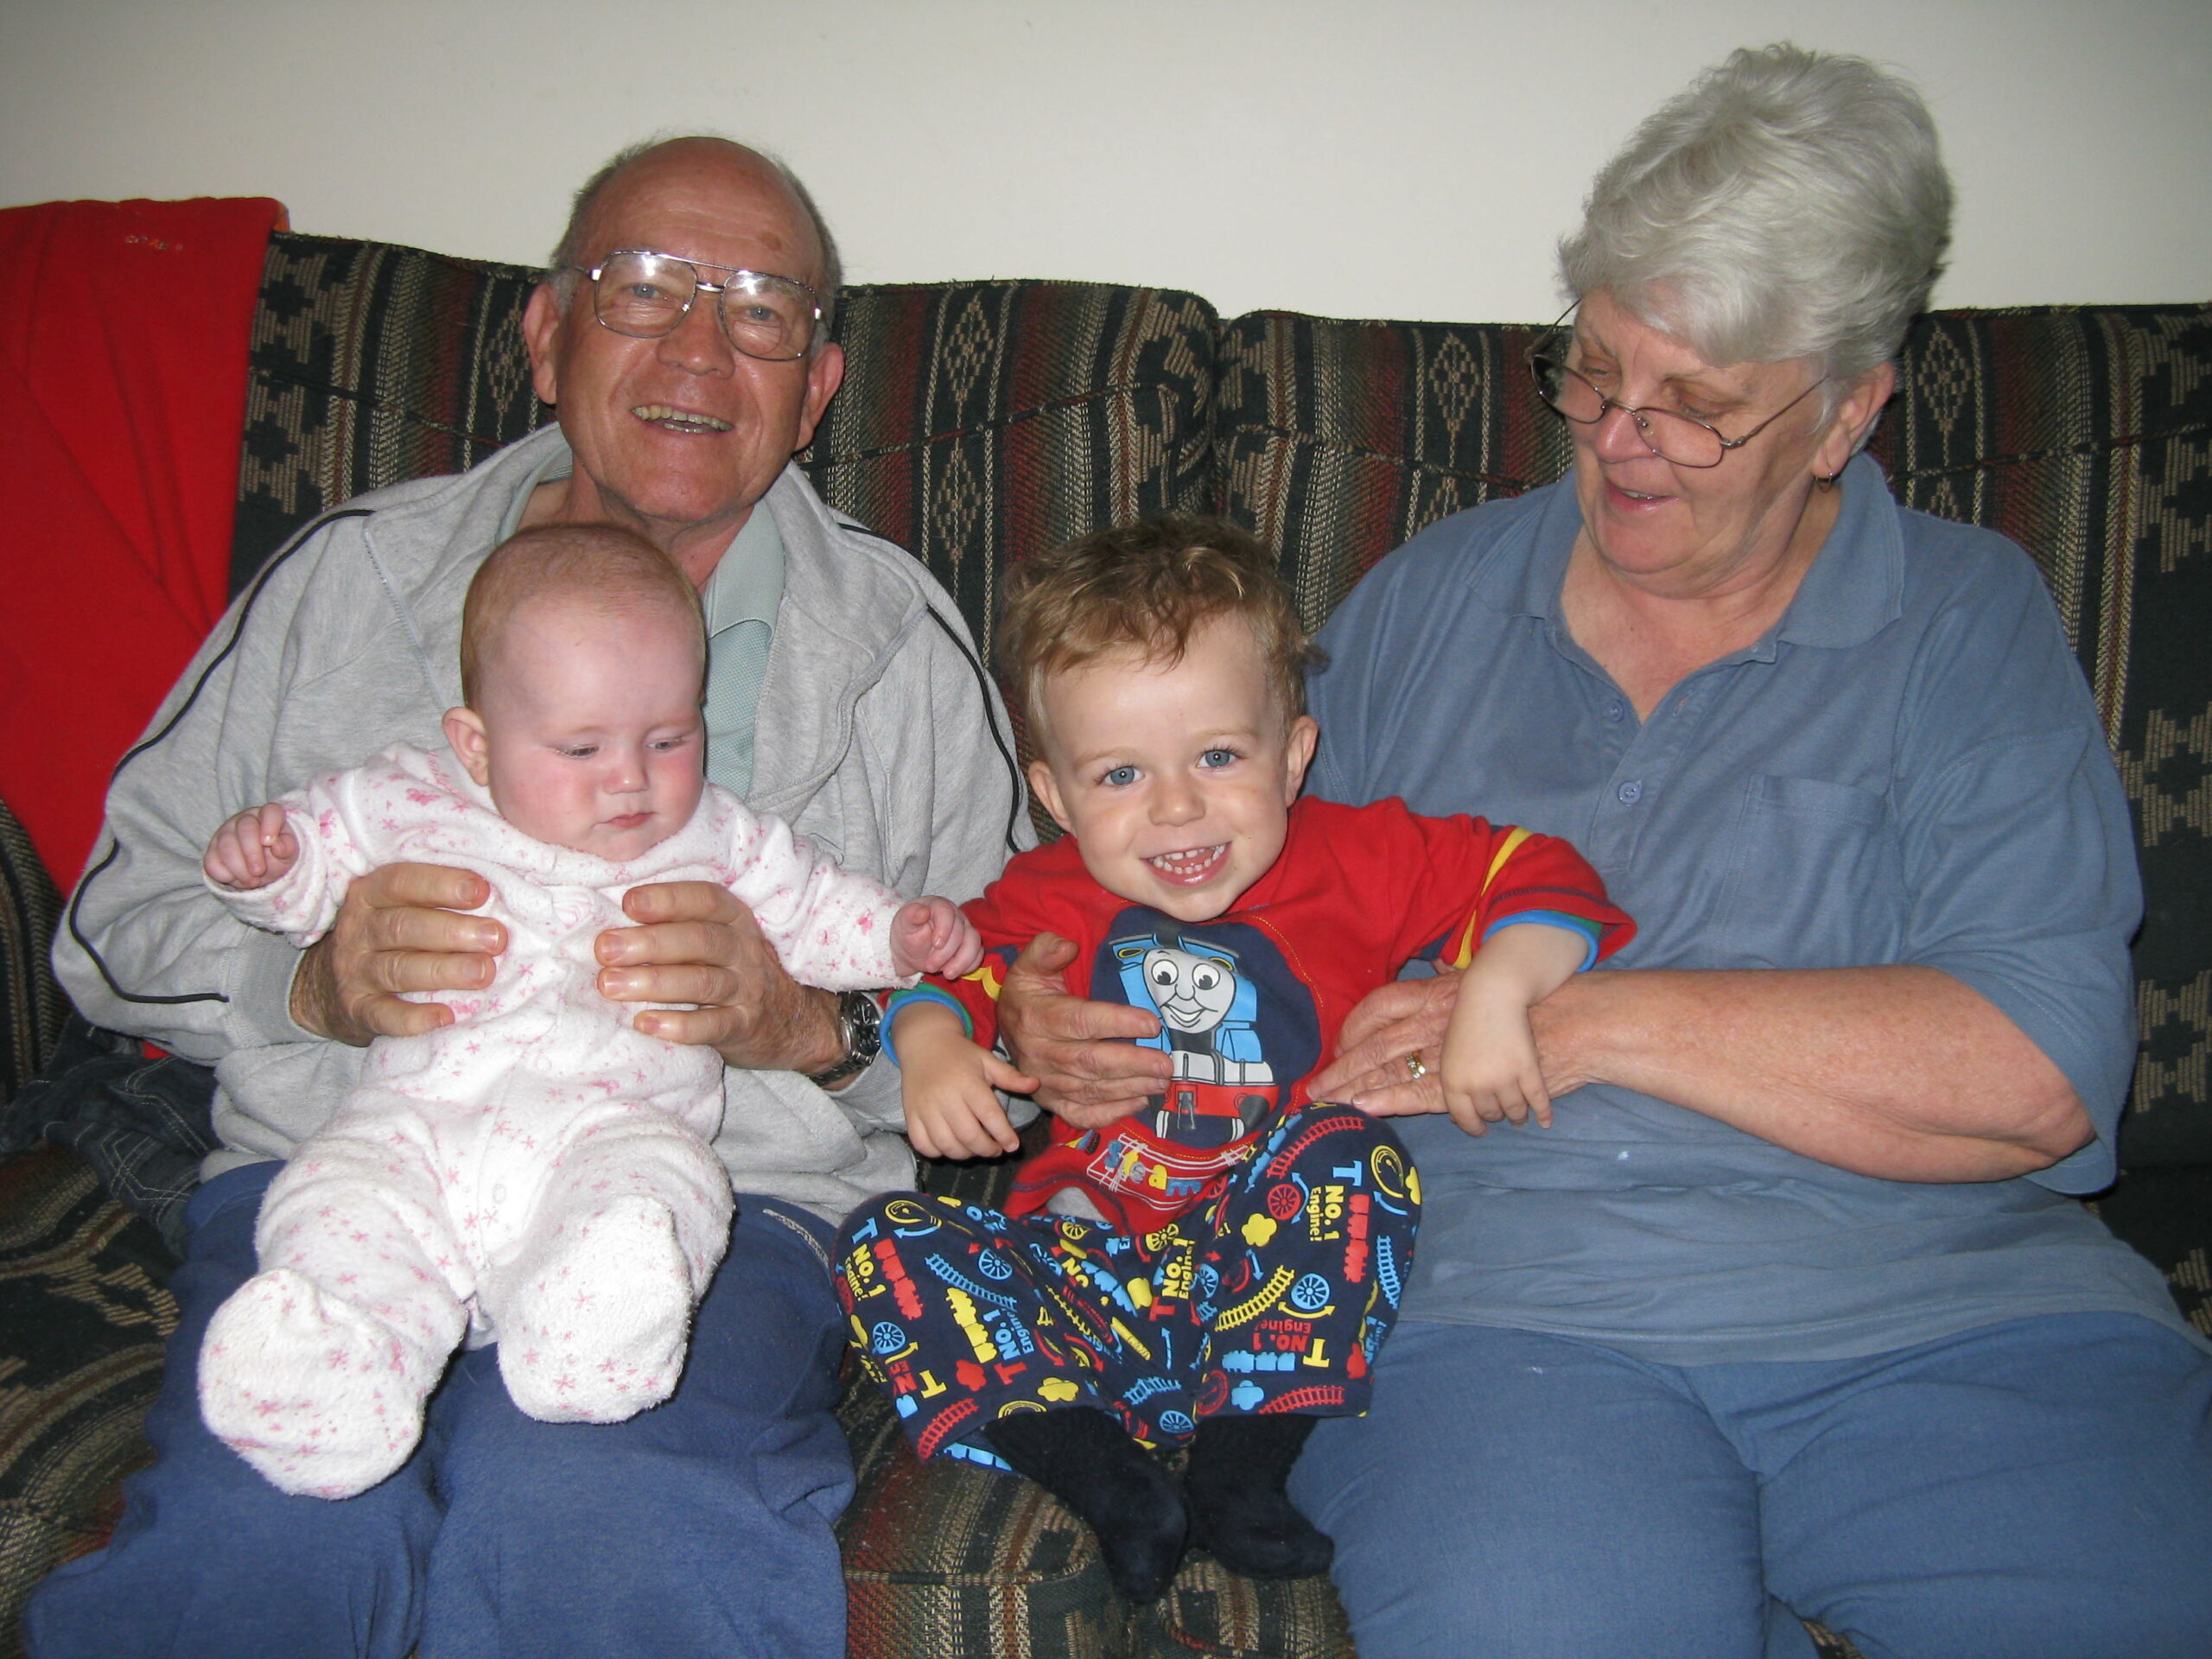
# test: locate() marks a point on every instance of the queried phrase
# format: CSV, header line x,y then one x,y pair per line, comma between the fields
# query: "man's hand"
x,y
1063,1041
397,931
696,943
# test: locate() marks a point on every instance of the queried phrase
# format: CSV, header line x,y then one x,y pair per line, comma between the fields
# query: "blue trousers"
x,y
2036,1490
700,1527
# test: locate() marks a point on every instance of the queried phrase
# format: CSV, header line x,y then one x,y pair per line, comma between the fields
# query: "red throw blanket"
x,y
123,371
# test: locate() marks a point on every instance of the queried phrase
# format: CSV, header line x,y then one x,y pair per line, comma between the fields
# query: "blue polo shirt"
x,y
1908,768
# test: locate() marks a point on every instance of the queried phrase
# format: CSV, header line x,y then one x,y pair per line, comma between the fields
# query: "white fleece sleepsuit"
x,y
536,1173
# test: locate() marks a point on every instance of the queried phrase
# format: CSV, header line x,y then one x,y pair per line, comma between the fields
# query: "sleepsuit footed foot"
x,y
324,1398
594,1323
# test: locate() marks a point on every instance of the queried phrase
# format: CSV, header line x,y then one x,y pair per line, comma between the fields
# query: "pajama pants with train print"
x,y
1272,1296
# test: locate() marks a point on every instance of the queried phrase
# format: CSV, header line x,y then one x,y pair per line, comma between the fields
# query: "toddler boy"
x,y
537,1171
1225,1262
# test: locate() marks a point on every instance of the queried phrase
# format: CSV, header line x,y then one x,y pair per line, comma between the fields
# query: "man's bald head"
x,y
639,164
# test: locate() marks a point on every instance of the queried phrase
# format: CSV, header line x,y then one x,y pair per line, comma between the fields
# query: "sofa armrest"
x,y
32,1006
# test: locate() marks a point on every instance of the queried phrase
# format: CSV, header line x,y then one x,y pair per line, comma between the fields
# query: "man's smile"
x,y
669,418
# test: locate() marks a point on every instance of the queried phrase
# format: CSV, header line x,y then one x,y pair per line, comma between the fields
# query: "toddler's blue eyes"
x,y
1217,757
1119,778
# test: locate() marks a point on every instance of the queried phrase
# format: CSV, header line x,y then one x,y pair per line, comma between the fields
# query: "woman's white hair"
x,y
1788,204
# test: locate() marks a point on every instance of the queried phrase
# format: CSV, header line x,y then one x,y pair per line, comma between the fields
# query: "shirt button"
x,y
1631,793
1615,709
498,1195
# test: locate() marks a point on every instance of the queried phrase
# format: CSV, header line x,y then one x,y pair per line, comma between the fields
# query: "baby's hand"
x,y
252,850
931,937
1490,1069
946,1081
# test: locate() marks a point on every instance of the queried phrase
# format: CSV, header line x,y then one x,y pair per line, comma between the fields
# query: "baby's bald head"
x,y
596,568
583,657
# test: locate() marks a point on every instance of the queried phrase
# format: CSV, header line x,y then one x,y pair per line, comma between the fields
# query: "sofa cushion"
x,y
980,421
372,364
946,1560
84,1302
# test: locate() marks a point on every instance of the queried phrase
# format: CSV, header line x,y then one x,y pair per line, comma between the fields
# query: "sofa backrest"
x,y
981,421
370,365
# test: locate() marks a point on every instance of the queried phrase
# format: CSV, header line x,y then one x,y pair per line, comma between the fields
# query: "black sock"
x,y
1080,1455
1239,1509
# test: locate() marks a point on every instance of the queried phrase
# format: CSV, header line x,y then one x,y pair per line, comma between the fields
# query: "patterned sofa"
x,y
981,421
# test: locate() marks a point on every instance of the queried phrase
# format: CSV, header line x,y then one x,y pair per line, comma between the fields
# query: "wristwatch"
x,y
860,1023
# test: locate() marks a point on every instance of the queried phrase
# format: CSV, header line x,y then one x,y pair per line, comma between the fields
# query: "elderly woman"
x,y
1787,1312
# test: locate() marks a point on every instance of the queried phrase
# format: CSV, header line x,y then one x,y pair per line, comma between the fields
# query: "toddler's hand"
x,y
945,1082
931,937
252,850
964,1119
1490,1069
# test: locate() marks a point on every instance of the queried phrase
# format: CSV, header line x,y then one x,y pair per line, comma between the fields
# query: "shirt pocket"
x,y
1812,877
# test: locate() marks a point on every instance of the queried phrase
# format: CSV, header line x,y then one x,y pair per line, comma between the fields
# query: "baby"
x,y
537,1172
1245,1246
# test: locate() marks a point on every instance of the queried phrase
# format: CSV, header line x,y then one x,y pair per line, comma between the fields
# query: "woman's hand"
x,y
398,929
1899,1072
1406,1017
1084,1073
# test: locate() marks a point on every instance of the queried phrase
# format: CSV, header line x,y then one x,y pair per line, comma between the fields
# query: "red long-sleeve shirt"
x,y
1250,1002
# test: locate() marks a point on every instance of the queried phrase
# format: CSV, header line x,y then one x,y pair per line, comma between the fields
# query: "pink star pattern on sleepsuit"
x,y
536,1173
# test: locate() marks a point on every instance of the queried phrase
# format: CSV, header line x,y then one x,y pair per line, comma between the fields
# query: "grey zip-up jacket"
x,y
879,736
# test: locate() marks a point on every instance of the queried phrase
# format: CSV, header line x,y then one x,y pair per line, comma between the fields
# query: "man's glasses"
x,y
645,295
1681,439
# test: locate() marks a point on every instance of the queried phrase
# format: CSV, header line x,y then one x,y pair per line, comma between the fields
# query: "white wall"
x,y
1410,158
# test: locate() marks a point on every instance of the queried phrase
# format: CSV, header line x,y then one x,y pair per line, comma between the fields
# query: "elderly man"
x,y
679,337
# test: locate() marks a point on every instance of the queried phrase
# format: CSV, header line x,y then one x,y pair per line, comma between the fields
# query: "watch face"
x,y
864,1025
860,1022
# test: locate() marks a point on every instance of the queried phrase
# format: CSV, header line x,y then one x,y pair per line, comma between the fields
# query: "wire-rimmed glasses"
x,y
1671,435
638,292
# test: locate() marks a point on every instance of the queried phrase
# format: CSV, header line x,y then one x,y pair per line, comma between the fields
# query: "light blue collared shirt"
x,y
741,600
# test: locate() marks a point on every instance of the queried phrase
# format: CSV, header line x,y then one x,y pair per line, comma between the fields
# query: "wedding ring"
x,y
1414,1066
